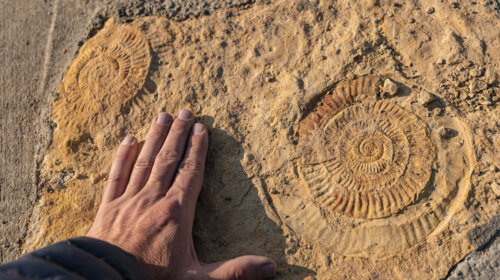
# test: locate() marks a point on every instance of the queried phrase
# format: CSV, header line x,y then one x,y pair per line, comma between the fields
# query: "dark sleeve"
x,y
77,258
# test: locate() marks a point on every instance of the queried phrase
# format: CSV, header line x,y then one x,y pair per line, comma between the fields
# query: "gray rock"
x,y
483,263
493,6
481,235
174,9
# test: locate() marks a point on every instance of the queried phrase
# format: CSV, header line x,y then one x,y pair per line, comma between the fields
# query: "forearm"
x,y
77,258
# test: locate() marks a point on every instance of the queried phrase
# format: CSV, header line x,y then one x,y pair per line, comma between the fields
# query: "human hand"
x,y
149,211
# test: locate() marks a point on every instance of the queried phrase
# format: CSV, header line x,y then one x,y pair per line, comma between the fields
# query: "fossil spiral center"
x,y
370,153
369,148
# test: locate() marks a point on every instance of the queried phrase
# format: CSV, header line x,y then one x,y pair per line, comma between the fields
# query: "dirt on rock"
x,y
327,125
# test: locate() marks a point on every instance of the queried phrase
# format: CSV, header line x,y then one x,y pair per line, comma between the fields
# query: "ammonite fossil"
x,y
110,69
380,159
370,167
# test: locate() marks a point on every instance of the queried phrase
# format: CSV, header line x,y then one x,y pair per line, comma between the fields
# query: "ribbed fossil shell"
x,y
378,156
110,69
369,165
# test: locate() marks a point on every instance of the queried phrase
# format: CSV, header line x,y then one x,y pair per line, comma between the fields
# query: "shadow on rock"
x,y
230,217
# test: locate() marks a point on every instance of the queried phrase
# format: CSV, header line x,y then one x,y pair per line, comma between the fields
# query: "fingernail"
x,y
267,271
163,119
198,128
129,140
185,115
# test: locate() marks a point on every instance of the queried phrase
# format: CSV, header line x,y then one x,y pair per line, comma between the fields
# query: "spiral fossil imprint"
x,y
365,162
110,69
380,156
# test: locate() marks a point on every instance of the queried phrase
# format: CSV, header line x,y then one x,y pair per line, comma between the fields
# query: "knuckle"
x,y
191,165
115,179
154,183
143,163
142,202
173,210
168,156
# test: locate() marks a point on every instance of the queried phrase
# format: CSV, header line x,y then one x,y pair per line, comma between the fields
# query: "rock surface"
x,y
271,81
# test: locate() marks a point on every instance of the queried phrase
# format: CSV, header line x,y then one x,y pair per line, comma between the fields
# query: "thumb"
x,y
245,267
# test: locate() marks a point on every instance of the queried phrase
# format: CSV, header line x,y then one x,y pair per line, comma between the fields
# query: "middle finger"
x,y
172,152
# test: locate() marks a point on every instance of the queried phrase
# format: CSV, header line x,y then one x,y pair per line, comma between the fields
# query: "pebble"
x,y
463,96
445,133
425,98
270,79
493,168
490,76
438,111
476,86
496,188
453,92
430,10
463,77
476,72
441,61
484,101
495,98
390,87
466,64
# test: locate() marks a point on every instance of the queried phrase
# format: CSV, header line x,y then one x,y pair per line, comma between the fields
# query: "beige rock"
x,y
476,72
390,88
477,85
302,127
490,76
424,98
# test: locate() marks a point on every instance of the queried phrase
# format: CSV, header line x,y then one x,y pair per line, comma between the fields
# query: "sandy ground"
x,y
259,201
